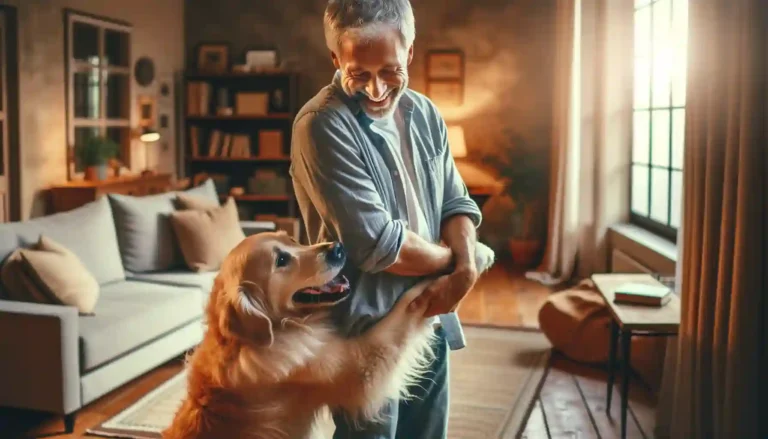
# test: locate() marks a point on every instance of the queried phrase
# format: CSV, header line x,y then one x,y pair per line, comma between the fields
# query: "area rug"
x,y
494,383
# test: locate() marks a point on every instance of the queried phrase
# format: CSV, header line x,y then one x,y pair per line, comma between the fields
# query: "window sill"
x,y
656,253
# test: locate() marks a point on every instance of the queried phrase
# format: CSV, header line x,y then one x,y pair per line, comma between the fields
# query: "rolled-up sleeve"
x,y
456,199
328,166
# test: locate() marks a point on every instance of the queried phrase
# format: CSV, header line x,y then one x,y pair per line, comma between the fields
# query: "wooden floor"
x,y
571,403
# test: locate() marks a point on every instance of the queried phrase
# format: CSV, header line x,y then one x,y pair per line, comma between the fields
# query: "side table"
x,y
629,321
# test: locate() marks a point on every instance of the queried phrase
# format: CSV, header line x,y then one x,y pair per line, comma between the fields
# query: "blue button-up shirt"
x,y
344,177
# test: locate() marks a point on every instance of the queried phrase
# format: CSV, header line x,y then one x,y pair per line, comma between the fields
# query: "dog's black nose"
x,y
335,254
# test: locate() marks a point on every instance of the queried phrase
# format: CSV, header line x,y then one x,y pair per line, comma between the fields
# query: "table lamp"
x,y
148,136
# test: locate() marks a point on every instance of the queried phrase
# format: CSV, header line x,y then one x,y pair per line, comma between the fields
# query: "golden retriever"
x,y
270,359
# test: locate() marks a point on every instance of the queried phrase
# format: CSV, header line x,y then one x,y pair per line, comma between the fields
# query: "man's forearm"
x,y
458,232
419,257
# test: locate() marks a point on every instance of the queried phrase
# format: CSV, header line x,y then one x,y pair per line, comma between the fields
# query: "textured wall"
x,y
158,33
508,47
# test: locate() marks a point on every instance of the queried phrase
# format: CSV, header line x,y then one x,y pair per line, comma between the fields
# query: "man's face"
x,y
374,70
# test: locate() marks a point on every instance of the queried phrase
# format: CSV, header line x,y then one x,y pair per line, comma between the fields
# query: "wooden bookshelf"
x,y
237,130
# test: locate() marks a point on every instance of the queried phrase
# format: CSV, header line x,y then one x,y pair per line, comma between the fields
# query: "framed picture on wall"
x,y
445,65
444,77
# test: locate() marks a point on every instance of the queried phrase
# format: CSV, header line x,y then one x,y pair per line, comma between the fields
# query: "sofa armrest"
x,y
254,227
39,357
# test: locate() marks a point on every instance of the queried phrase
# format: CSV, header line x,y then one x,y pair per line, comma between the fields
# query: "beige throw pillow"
x,y
206,236
185,202
50,273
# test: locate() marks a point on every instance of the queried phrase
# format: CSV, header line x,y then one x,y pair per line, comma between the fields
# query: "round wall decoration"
x,y
144,71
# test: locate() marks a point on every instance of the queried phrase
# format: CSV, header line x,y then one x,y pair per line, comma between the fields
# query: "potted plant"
x,y
515,215
94,154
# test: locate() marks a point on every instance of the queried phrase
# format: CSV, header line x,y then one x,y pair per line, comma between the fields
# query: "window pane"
x,y
640,142
640,189
660,195
117,97
677,198
678,138
116,48
85,42
660,139
642,83
643,33
662,53
680,47
639,3
86,96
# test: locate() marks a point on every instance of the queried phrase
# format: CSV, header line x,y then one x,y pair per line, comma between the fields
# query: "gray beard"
x,y
379,114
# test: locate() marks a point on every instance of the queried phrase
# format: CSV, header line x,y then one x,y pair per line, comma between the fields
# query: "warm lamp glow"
x,y
149,136
456,141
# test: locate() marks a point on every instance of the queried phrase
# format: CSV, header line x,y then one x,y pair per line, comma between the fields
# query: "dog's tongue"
x,y
336,285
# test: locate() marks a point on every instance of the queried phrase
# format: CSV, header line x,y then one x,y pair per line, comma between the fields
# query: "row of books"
x,y
222,144
198,98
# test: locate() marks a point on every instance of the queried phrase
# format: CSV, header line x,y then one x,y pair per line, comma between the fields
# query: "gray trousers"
x,y
423,417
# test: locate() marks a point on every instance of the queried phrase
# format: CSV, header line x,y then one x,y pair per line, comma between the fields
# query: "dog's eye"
x,y
282,260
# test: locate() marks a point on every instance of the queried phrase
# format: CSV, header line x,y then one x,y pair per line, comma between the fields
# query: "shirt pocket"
x,y
435,179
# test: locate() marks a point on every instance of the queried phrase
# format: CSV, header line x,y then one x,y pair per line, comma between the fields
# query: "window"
x,y
98,84
660,51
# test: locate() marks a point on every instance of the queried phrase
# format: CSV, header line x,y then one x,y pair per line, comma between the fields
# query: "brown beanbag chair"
x,y
578,323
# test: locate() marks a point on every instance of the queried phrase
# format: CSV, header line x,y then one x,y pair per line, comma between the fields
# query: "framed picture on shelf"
x,y
260,59
213,57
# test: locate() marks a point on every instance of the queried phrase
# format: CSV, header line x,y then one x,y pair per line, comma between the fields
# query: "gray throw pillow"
x,y
147,242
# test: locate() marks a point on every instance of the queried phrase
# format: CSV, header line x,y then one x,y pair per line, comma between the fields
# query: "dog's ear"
x,y
248,320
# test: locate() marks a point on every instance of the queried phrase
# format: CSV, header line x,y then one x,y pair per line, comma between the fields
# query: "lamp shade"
x,y
149,136
456,141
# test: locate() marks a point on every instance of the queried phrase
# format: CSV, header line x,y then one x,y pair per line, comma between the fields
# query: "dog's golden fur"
x,y
267,365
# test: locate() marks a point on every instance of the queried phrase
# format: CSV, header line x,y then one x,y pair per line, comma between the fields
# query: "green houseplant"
x,y
515,217
94,154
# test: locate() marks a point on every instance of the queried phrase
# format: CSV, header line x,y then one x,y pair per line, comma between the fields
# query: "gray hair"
x,y
342,16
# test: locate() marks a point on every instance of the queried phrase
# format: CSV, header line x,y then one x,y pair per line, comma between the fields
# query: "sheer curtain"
x,y
592,134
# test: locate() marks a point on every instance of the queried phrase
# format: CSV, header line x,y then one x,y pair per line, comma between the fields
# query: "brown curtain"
x,y
719,388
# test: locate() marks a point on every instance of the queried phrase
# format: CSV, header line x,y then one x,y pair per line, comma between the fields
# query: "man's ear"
x,y
248,320
335,59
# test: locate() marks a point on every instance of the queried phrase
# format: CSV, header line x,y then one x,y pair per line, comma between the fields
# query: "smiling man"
x,y
371,168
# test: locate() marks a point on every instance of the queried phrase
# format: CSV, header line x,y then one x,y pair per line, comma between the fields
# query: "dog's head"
x,y
269,277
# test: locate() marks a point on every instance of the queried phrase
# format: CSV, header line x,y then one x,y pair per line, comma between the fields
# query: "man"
x,y
371,167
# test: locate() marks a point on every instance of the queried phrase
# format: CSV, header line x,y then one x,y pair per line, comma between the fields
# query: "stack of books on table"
x,y
642,294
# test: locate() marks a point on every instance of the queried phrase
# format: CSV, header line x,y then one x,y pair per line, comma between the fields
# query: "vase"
x,y
525,252
96,173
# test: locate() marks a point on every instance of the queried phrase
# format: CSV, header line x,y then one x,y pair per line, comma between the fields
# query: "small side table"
x,y
629,321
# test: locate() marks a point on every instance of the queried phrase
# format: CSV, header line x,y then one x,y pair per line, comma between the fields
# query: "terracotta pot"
x,y
524,251
96,173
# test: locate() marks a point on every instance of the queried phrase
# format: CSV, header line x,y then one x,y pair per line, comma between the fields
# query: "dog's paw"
x,y
484,257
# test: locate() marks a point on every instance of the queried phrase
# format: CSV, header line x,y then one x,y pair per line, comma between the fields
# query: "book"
x,y
642,294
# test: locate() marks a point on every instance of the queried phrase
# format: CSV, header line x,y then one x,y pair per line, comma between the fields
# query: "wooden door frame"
x,y
11,52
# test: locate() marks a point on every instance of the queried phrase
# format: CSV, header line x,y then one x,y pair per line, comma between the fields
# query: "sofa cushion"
x,y
131,313
206,236
147,241
88,231
144,231
182,278
50,273
206,190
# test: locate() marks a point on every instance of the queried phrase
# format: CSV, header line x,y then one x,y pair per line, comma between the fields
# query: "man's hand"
x,y
446,292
